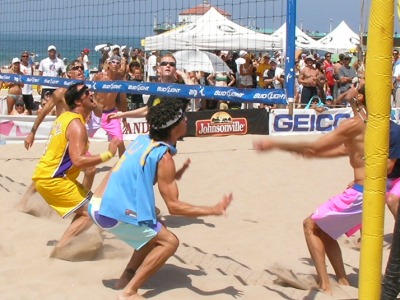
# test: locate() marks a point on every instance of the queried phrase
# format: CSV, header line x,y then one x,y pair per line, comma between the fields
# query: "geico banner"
x,y
16,128
306,121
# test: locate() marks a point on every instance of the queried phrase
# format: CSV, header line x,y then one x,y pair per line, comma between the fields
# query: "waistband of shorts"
x,y
109,111
358,187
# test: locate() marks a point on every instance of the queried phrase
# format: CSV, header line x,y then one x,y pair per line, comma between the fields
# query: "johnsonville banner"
x,y
227,122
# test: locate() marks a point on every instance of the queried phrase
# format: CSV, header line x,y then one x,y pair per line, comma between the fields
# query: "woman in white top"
x,y
246,71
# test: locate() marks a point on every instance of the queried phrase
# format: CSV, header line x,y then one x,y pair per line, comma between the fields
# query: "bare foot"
x,y
130,297
343,281
325,290
126,276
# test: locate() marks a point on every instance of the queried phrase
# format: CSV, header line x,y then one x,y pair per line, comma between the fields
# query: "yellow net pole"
x,y
378,90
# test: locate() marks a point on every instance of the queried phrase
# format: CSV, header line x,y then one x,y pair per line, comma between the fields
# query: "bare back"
x,y
355,147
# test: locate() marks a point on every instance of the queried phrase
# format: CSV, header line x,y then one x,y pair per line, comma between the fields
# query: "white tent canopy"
x,y
212,31
341,39
303,41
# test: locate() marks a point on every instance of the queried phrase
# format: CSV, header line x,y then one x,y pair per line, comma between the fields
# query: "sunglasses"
x,y
77,68
24,55
115,62
83,91
166,63
16,105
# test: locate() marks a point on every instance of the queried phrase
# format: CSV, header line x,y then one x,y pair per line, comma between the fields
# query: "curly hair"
x,y
159,115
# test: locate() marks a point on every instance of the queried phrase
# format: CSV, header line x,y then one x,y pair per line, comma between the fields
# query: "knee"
x,y
90,171
172,243
391,200
308,225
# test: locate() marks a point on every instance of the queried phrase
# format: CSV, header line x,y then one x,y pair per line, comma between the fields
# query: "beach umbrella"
x,y
196,60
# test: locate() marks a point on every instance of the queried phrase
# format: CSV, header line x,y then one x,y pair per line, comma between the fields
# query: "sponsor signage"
x,y
270,97
221,123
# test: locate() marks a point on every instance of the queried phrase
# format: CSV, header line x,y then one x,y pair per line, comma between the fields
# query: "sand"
x,y
256,251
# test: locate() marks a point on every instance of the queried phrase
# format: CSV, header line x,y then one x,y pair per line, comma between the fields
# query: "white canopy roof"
x,y
212,31
303,41
341,39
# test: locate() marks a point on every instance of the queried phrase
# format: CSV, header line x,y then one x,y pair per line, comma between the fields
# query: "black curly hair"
x,y
73,94
160,114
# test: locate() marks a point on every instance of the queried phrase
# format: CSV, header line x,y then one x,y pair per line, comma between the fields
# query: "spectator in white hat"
x,y
51,66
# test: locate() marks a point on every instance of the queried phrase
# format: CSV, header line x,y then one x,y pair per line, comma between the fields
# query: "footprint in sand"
x,y
287,278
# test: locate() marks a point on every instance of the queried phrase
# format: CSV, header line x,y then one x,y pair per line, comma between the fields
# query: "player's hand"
x,y
113,145
116,115
28,142
179,173
263,145
221,207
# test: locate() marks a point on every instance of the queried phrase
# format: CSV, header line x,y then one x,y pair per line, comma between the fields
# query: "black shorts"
x,y
307,93
29,103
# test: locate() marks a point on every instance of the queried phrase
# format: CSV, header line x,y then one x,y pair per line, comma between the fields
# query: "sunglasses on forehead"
x,y
166,63
83,91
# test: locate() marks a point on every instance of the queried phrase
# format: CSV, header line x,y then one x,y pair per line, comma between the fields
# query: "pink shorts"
x,y
341,214
112,127
394,186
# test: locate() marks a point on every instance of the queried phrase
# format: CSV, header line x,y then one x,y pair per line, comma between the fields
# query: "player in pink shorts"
x,y
341,214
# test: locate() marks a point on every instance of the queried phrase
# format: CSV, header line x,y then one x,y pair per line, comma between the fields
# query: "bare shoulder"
x,y
101,76
350,127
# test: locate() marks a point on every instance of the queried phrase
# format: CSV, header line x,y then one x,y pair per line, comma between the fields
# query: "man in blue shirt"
x,y
124,203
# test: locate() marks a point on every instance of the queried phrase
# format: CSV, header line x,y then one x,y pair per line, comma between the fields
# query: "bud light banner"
x,y
270,97
306,121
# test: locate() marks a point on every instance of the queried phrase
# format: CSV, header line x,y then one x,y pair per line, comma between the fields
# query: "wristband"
x,y
105,156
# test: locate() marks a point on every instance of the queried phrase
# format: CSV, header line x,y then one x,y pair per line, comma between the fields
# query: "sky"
x,y
136,17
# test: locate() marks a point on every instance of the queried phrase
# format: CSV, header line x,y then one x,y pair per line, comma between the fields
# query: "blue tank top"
x,y
129,195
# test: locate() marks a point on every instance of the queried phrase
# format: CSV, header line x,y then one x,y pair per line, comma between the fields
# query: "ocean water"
x,y
69,46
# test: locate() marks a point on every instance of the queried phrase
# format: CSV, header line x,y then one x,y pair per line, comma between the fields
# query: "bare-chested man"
x,y
342,213
308,79
109,101
167,74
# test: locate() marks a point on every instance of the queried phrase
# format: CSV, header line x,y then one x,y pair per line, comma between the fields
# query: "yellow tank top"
x,y
56,161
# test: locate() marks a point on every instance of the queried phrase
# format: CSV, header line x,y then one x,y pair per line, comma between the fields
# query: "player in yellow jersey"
x,y
64,157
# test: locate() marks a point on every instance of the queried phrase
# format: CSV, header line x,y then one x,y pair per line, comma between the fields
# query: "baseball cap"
x,y
242,53
272,60
15,60
310,57
86,50
114,57
19,102
52,47
329,98
347,56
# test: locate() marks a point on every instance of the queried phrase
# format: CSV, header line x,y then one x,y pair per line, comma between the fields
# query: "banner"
x,y
17,128
306,121
227,122
270,97
205,123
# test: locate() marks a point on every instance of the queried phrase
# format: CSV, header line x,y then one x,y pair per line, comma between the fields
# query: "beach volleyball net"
x,y
226,27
